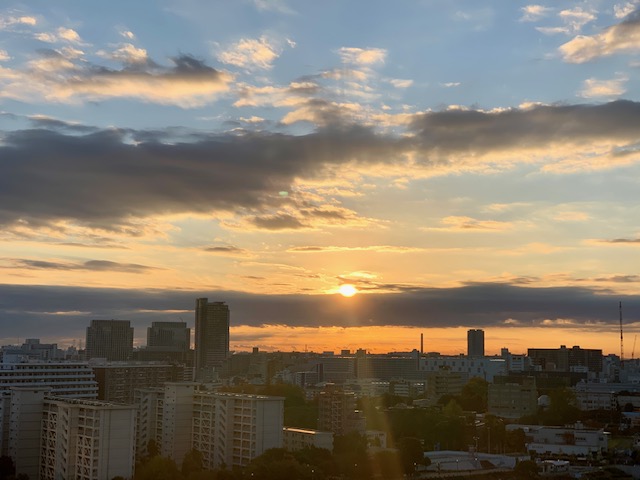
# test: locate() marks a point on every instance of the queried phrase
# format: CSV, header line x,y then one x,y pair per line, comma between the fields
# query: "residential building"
x,y
337,411
512,400
565,359
211,337
86,440
233,429
109,339
564,441
117,381
67,380
299,438
228,429
483,367
475,343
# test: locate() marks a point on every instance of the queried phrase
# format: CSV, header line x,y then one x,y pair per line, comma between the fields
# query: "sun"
x,y
347,290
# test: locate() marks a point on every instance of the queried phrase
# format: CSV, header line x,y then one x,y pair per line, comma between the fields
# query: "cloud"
x,y
250,54
4,55
62,34
227,250
92,265
623,37
10,21
631,241
462,223
400,83
533,13
371,248
482,305
279,6
576,18
127,54
127,34
624,9
362,56
594,88
113,178
57,76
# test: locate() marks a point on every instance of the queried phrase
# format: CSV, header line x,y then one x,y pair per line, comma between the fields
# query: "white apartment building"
x,y
483,367
227,428
232,429
86,440
68,380
557,441
298,438
53,438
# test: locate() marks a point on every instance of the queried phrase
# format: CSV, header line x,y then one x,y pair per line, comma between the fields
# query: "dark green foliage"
x,y
526,469
158,468
192,462
7,467
411,454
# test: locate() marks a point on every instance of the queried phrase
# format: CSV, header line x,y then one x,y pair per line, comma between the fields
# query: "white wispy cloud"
x,y
362,56
594,88
62,34
623,37
9,20
621,10
533,13
251,53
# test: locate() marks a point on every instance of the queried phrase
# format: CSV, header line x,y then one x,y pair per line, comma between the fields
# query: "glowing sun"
x,y
347,290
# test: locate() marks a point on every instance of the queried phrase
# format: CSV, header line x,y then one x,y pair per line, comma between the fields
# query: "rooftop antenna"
x,y
621,349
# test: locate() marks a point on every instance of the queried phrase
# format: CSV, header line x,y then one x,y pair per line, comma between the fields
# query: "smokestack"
x,y
421,343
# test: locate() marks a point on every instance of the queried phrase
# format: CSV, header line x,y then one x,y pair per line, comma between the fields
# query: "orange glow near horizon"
x,y
447,341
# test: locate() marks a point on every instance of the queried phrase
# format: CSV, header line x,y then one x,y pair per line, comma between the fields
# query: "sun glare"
x,y
347,290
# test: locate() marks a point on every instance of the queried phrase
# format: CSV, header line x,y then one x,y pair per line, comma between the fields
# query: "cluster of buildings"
x,y
89,414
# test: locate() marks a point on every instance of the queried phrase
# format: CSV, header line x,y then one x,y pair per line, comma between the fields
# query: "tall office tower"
x,y
110,339
212,336
475,343
174,335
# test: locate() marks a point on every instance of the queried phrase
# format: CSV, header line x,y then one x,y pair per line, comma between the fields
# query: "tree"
x,y
153,450
158,468
526,469
411,454
474,395
192,462
7,467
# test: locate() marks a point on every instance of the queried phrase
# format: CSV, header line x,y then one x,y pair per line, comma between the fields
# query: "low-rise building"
x,y
560,441
298,438
512,400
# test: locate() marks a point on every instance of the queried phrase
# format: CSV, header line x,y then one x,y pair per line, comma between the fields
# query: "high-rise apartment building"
x,y
52,438
212,336
110,339
174,335
227,428
86,440
475,343
337,411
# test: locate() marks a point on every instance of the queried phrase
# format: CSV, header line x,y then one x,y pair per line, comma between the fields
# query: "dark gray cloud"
x,y
105,179
226,249
458,131
622,240
27,311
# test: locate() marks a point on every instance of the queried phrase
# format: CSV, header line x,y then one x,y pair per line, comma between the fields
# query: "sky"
x,y
463,164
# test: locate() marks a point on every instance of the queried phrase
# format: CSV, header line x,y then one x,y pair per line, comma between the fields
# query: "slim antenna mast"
x,y
621,349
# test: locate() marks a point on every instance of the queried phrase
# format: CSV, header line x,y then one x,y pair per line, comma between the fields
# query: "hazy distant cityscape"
x,y
112,411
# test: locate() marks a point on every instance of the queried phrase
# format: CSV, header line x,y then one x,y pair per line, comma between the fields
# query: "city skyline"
x,y
342,176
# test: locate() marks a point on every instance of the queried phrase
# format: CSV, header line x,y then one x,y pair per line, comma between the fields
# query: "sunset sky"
x,y
463,164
